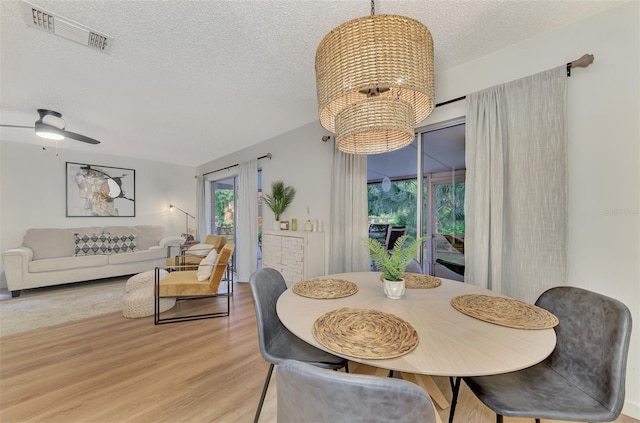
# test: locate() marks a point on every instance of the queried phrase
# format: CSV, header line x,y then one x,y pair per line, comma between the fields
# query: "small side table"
x,y
179,259
186,245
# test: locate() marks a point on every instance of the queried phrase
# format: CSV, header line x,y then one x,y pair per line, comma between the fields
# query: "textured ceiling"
x,y
190,81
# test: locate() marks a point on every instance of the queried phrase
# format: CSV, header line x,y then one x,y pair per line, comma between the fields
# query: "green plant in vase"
x,y
393,265
280,198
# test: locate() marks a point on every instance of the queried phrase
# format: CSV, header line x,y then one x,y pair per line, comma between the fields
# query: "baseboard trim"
x,y
631,409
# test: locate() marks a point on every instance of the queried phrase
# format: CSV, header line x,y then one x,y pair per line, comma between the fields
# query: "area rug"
x,y
44,307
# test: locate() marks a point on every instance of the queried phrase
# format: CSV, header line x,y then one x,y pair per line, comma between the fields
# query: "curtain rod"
x,y
266,156
582,62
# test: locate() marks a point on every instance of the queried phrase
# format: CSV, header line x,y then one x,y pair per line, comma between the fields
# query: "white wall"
x,y
604,152
32,192
300,159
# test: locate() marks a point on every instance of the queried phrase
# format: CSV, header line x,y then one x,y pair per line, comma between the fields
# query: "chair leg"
x,y
229,278
264,394
346,368
156,297
455,389
229,300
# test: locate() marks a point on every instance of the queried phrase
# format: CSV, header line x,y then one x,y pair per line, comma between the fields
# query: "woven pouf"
x,y
139,302
142,280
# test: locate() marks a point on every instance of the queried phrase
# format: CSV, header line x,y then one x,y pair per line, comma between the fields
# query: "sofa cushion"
x,y
66,263
149,235
137,256
119,244
91,244
54,242
120,230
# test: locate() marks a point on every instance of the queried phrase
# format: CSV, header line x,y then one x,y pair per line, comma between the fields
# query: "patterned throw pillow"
x,y
123,243
91,244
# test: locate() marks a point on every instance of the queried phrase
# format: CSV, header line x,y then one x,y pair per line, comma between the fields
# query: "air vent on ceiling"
x,y
37,17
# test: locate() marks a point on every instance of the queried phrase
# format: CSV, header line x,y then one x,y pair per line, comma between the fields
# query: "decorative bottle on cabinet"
x,y
296,255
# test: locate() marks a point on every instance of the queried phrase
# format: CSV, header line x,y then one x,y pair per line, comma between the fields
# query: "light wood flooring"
x,y
111,369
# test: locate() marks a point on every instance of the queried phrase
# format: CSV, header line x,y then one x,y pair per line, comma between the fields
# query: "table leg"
x,y
367,370
427,383
435,413
455,390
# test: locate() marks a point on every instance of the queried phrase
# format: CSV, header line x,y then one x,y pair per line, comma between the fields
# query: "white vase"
x,y
394,289
308,226
276,225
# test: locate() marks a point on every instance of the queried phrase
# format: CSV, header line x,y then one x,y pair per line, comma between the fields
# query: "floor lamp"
x,y
188,237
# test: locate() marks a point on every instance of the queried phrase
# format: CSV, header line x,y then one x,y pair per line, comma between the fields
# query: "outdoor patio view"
x,y
224,200
396,207
393,200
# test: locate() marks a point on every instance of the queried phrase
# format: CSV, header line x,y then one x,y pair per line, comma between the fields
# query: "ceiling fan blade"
x,y
16,126
51,126
79,137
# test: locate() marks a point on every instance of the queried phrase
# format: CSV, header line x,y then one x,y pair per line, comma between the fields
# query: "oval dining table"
x,y
450,343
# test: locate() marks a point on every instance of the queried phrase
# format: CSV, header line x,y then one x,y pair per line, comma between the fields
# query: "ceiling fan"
x,y
51,126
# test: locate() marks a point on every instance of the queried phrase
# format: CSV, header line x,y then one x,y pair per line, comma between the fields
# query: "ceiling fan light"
x,y
48,132
49,135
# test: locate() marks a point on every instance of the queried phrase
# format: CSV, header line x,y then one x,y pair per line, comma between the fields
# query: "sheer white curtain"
x,y
201,217
516,186
247,226
348,214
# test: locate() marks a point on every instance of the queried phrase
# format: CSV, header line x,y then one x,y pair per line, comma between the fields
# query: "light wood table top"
x,y
450,343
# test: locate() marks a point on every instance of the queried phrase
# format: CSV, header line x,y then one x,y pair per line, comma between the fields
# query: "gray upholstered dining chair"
x,y
584,377
276,342
393,234
310,394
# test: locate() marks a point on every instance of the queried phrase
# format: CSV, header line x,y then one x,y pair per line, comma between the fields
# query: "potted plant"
x,y
280,198
393,265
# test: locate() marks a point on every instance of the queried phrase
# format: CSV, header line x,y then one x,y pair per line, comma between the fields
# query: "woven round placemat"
x,y
324,288
504,311
365,333
418,281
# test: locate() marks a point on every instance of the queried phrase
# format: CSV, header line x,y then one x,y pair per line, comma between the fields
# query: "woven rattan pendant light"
x,y
374,79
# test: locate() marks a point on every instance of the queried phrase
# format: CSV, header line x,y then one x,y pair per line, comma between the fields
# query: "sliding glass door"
x,y
223,209
223,205
222,198
443,206
447,225
429,202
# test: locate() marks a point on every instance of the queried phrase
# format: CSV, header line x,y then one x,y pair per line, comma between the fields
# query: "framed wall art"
x,y
100,191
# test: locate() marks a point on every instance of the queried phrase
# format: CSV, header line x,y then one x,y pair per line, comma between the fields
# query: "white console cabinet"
x,y
296,255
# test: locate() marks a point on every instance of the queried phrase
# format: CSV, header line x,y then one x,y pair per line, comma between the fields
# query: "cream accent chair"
x,y
184,259
185,285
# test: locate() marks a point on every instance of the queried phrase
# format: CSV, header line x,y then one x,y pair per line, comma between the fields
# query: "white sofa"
x,y
52,256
